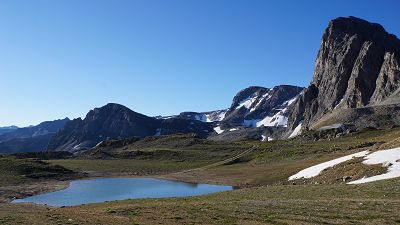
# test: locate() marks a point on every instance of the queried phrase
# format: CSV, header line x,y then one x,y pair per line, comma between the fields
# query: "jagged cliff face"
x,y
387,84
357,65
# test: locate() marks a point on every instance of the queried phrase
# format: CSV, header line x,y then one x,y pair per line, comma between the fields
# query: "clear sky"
x,y
62,58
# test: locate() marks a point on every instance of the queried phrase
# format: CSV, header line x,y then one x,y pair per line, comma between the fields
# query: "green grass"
x,y
374,203
264,203
270,162
19,171
273,162
154,155
174,147
127,166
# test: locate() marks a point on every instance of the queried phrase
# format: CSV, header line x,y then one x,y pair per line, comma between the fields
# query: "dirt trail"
x,y
225,161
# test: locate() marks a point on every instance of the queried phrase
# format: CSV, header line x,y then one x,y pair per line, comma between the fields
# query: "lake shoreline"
x,y
10,193
100,190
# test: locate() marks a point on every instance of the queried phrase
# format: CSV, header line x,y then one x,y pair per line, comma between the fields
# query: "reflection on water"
x,y
108,189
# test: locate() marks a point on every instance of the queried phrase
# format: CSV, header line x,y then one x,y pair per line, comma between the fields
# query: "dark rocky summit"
x,y
114,121
357,66
109,121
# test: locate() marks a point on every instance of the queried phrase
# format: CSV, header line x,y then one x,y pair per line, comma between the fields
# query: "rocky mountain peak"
x,y
247,93
357,65
115,121
259,106
109,121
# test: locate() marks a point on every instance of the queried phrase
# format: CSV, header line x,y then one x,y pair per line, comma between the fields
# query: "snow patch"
x,y
264,97
215,116
247,102
340,102
274,121
233,129
77,146
317,169
263,138
388,158
279,119
98,144
296,131
290,101
218,130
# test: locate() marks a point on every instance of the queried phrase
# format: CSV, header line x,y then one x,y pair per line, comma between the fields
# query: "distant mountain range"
x,y
29,139
114,121
8,129
356,85
251,107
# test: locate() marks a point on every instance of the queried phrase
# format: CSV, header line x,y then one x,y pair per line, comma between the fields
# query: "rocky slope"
x,y
212,116
357,66
256,107
254,112
257,113
114,121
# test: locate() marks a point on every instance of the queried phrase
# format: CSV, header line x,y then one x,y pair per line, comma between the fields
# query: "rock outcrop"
x,y
387,84
357,66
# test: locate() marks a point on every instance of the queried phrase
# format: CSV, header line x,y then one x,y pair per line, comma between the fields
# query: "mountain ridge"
x,y
356,81
32,138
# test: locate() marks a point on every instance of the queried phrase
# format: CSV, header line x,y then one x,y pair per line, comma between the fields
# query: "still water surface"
x,y
108,189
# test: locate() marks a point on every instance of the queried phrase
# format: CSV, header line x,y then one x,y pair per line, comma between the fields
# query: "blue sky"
x,y
63,58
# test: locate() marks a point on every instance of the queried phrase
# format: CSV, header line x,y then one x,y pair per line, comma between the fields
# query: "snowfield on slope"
x,y
317,169
389,158
296,130
218,130
215,116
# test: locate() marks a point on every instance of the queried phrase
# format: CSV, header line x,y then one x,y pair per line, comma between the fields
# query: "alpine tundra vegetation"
x,y
326,153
